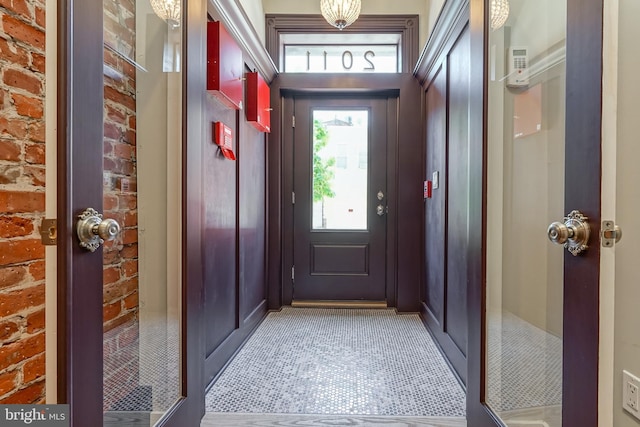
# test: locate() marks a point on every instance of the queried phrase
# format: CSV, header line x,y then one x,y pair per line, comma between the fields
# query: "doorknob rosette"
x,y
573,233
92,230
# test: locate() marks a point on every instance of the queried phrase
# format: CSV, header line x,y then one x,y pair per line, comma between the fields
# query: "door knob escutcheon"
x,y
93,231
573,233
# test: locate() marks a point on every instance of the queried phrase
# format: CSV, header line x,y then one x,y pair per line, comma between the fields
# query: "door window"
x,y
526,107
340,178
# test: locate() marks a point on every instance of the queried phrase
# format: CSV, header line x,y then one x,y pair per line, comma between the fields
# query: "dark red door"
x,y
129,344
341,197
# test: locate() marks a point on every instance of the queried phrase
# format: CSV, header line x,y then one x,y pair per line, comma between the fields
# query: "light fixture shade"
x,y
168,10
499,13
340,13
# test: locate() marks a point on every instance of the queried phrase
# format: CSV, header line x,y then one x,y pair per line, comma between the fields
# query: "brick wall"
x,y
22,176
120,278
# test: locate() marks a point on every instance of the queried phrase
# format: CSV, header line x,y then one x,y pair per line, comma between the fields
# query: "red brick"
x,y
11,276
14,226
16,301
38,62
129,236
9,150
129,251
131,301
18,7
110,256
36,175
17,128
128,201
8,381
112,292
37,131
109,202
35,321
23,32
34,154
23,80
33,369
130,268
115,114
110,275
28,106
40,17
111,131
21,350
111,311
37,270
127,317
130,137
13,54
17,251
21,201
126,100
132,122
9,332
9,174
32,394
124,151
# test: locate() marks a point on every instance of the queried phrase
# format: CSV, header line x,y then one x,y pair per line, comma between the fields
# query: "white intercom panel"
x,y
518,63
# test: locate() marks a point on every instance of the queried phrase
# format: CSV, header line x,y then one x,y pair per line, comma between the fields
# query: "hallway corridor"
x,y
348,362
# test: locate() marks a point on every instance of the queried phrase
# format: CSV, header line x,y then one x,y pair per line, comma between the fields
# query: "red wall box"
x,y
258,109
224,66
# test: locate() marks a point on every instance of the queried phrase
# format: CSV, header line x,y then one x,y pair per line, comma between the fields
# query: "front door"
x,y
533,346
127,346
340,206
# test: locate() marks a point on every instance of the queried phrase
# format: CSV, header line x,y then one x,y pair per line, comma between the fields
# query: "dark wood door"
x,y
129,348
340,201
547,300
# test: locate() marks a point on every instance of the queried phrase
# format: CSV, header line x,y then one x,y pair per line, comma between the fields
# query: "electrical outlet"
x,y
630,393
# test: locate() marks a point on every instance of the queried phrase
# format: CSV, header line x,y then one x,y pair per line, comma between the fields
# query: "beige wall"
x,y
255,13
627,270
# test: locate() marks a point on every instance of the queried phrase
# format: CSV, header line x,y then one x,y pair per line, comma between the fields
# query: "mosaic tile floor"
x,y
525,364
339,361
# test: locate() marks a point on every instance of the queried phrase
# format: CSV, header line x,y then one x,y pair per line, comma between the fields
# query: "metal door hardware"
x,y
92,230
610,233
381,210
49,231
380,195
573,233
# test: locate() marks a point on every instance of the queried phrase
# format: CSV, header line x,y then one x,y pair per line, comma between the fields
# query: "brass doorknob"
x,y
573,233
93,231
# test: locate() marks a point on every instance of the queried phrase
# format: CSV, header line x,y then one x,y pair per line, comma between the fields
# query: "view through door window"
x,y
340,169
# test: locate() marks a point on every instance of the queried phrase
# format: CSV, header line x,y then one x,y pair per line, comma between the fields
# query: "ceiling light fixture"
x,y
168,10
499,13
340,13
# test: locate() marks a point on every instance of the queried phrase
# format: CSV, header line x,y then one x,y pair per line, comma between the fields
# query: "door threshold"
x,y
338,304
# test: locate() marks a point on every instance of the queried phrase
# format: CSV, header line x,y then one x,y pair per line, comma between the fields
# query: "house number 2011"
x,y
347,60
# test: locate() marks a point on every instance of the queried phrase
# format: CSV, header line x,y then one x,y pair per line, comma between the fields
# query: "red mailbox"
x,y
224,66
258,103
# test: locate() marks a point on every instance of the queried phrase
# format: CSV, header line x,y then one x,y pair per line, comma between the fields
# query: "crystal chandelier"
x,y
499,13
340,13
168,10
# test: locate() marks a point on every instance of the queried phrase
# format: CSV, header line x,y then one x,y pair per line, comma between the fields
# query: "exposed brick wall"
x,y
120,198
120,277
22,177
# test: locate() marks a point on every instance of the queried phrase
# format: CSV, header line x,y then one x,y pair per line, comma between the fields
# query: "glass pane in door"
x,y
340,174
526,107
142,191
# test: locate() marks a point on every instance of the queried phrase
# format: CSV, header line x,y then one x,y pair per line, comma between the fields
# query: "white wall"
x,y
627,268
255,13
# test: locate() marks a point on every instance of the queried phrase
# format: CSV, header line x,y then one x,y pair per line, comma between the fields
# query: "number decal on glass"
x,y
367,57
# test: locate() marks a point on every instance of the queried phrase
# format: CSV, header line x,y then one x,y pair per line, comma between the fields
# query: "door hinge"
x,y
610,233
293,273
293,121
49,231
293,198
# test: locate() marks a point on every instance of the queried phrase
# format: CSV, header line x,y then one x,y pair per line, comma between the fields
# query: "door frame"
x,y
581,274
79,183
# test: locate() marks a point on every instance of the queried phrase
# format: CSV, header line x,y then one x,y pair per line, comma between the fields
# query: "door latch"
x,y
49,231
610,234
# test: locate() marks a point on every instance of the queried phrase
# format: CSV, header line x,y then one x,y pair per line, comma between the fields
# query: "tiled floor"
x,y
341,362
268,420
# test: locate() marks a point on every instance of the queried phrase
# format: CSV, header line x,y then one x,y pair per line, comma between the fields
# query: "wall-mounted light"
x,y
340,13
168,10
499,13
